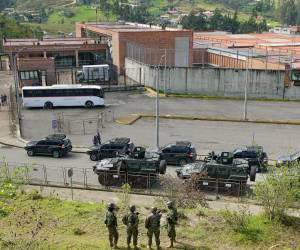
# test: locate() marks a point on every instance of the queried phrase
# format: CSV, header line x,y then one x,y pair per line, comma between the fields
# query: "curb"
x,y
128,120
153,92
204,118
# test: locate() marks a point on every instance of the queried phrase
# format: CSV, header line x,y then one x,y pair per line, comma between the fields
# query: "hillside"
x,y
45,4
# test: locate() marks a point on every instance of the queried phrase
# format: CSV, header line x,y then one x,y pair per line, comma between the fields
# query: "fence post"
x,y
140,77
27,173
64,176
83,123
148,183
125,77
85,178
45,175
217,188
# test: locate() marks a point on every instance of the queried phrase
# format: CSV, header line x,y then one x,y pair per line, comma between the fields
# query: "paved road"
x,y
277,139
56,169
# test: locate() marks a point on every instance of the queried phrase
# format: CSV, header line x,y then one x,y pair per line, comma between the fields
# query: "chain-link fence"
x,y
70,125
85,178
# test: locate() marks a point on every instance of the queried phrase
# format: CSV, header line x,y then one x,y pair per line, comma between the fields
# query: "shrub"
x,y
237,220
184,193
124,196
278,191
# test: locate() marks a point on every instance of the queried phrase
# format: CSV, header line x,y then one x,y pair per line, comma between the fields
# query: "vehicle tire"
x,y
55,154
162,167
253,173
89,104
30,152
182,162
48,105
94,157
101,179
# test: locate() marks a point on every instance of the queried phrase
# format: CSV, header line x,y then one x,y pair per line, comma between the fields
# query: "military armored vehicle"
x,y
237,170
139,169
228,158
213,176
255,156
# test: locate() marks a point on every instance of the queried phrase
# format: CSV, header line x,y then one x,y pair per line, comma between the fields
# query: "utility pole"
x,y
165,73
16,79
157,96
246,89
157,106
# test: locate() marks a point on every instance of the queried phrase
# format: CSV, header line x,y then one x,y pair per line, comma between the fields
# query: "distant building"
x,y
290,30
38,57
140,40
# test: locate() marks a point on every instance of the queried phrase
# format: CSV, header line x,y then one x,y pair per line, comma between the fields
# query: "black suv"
x,y
255,155
110,149
56,145
179,153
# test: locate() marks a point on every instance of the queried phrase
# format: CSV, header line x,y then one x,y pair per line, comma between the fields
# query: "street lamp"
x,y
157,96
16,80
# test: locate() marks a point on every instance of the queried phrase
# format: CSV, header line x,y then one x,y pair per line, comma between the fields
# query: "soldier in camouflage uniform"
x,y
111,224
172,218
152,224
131,220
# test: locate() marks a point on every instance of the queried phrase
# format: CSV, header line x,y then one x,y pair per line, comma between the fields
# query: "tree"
x,y
287,12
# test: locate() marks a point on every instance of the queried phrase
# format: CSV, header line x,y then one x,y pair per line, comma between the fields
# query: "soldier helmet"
x,y
132,208
154,210
111,206
170,204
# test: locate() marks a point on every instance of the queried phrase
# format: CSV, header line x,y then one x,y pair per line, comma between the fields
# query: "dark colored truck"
x,y
139,169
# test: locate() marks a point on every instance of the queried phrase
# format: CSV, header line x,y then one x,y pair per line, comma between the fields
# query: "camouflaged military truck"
x,y
237,170
139,169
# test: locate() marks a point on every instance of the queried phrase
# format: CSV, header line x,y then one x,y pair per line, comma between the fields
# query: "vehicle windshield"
x,y
295,156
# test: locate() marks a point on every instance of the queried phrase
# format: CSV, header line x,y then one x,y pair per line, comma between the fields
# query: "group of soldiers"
x,y
131,221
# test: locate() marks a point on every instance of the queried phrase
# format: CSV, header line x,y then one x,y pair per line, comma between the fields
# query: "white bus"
x,y
62,96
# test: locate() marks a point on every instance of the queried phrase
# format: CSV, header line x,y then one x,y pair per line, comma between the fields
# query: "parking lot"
x,y
205,135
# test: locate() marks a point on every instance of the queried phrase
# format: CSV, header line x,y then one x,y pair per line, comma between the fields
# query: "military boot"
x,y
128,246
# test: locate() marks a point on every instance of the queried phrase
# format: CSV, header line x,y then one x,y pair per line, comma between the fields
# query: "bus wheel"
x,y
48,105
89,104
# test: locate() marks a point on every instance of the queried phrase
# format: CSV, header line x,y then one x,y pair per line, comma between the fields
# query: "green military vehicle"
x,y
228,158
236,171
228,177
139,169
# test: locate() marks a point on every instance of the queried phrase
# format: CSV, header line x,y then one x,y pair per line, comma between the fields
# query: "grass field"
x,y
36,222
58,22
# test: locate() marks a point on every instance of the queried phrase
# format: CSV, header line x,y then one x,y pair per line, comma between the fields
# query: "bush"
x,y
184,193
237,220
124,197
278,191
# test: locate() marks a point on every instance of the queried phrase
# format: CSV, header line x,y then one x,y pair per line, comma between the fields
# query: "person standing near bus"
x,y
99,137
95,140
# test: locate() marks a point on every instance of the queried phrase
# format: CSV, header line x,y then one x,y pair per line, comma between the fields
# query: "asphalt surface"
x,y
54,171
80,124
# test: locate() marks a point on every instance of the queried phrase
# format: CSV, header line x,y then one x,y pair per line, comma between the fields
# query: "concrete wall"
x,y
214,81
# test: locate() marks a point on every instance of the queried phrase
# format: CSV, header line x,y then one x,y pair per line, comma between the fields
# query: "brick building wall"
x,y
148,38
40,64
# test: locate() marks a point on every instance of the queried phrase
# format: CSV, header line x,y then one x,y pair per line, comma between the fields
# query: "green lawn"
x,y
58,22
36,222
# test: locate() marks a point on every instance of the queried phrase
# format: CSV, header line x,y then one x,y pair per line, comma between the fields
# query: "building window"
x,y
29,75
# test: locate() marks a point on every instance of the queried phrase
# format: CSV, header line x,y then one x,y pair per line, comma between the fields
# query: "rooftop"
x,y
48,41
127,27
